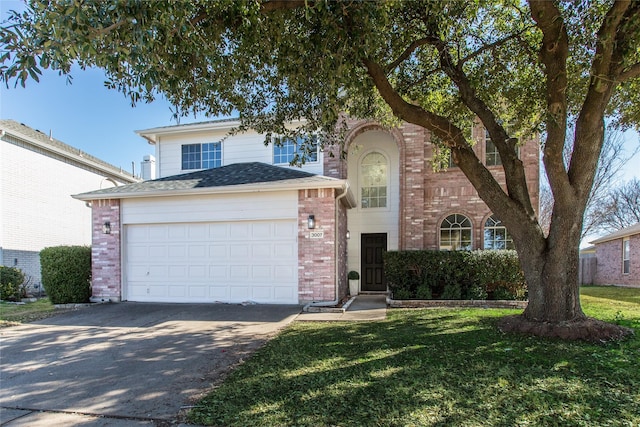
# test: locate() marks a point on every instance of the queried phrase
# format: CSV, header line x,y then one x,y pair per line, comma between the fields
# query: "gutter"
x,y
335,257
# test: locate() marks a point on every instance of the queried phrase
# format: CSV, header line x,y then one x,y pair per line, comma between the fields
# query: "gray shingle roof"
x,y
629,231
226,176
23,131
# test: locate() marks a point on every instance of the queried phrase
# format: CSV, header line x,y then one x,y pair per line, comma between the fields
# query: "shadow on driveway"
x,y
138,360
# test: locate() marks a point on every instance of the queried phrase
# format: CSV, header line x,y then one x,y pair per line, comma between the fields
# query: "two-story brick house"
x,y
230,220
38,175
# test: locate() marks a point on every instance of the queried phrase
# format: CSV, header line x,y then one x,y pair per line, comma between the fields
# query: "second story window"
x,y
201,156
373,171
492,156
287,150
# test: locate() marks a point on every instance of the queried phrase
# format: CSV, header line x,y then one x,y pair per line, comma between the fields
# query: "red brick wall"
x,y
609,264
316,265
427,197
105,251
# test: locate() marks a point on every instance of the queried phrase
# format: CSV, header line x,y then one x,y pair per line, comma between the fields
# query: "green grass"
x,y
436,367
15,314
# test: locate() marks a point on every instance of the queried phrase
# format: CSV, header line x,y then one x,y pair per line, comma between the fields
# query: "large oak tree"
x,y
520,67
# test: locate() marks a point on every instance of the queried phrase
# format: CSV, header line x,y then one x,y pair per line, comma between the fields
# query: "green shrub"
x,y
11,284
424,292
66,273
455,274
353,275
401,294
476,292
452,291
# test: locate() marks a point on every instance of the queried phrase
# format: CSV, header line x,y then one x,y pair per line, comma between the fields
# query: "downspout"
x,y
336,254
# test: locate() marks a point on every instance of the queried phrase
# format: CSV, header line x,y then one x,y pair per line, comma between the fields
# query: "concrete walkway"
x,y
364,308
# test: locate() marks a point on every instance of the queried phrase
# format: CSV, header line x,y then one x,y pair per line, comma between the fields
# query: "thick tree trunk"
x,y
551,271
552,280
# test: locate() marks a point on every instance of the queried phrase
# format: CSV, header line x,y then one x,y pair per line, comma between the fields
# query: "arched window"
x,y
455,233
373,188
496,235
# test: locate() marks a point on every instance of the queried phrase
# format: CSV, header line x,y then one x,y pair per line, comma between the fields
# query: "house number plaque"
x,y
316,234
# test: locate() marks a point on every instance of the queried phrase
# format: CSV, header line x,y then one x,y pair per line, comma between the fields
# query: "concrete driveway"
x,y
134,362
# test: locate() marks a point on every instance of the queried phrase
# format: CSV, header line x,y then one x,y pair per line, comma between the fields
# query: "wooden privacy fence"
x,y
587,270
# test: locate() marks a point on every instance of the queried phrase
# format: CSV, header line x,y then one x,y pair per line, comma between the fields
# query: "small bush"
x,y
353,275
66,273
11,284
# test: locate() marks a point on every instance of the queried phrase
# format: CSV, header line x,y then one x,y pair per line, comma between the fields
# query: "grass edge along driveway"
x,y
433,367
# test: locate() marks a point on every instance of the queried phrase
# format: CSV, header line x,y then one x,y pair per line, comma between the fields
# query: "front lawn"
x,y
432,367
12,314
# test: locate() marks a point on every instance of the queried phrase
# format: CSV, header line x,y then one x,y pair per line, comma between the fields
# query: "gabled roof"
x,y
625,232
234,178
37,139
151,135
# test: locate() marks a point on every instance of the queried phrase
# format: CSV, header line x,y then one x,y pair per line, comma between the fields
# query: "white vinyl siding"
x,y
241,148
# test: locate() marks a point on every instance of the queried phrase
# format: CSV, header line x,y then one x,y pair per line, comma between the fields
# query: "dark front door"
x,y
373,246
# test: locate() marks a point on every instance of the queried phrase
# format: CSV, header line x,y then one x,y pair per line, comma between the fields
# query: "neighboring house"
x,y
618,257
37,177
230,220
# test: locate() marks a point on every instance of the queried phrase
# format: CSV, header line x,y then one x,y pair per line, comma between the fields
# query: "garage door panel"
x,y
240,231
285,272
197,271
197,251
219,231
209,262
219,293
198,232
239,251
283,251
177,271
218,272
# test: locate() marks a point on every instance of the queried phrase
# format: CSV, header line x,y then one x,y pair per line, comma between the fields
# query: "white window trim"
x,y
387,180
201,153
449,248
309,162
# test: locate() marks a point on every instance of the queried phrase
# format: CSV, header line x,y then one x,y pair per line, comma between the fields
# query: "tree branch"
x,y
271,5
491,46
553,54
607,65
406,54
102,31
630,73
509,210
513,167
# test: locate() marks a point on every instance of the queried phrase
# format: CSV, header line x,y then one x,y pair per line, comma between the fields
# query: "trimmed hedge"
x,y
455,275
66,273
11,284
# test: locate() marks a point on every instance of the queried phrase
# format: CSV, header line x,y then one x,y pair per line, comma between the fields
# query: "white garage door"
x,y
212,262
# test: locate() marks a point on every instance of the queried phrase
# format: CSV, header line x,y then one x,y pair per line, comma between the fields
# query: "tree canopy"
x,y
520,67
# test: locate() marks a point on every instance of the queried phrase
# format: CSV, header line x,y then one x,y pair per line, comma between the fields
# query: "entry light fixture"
x,y
348,234
106,228
311,222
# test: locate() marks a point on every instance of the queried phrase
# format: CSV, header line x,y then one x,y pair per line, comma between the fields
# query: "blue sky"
x,y
101,122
